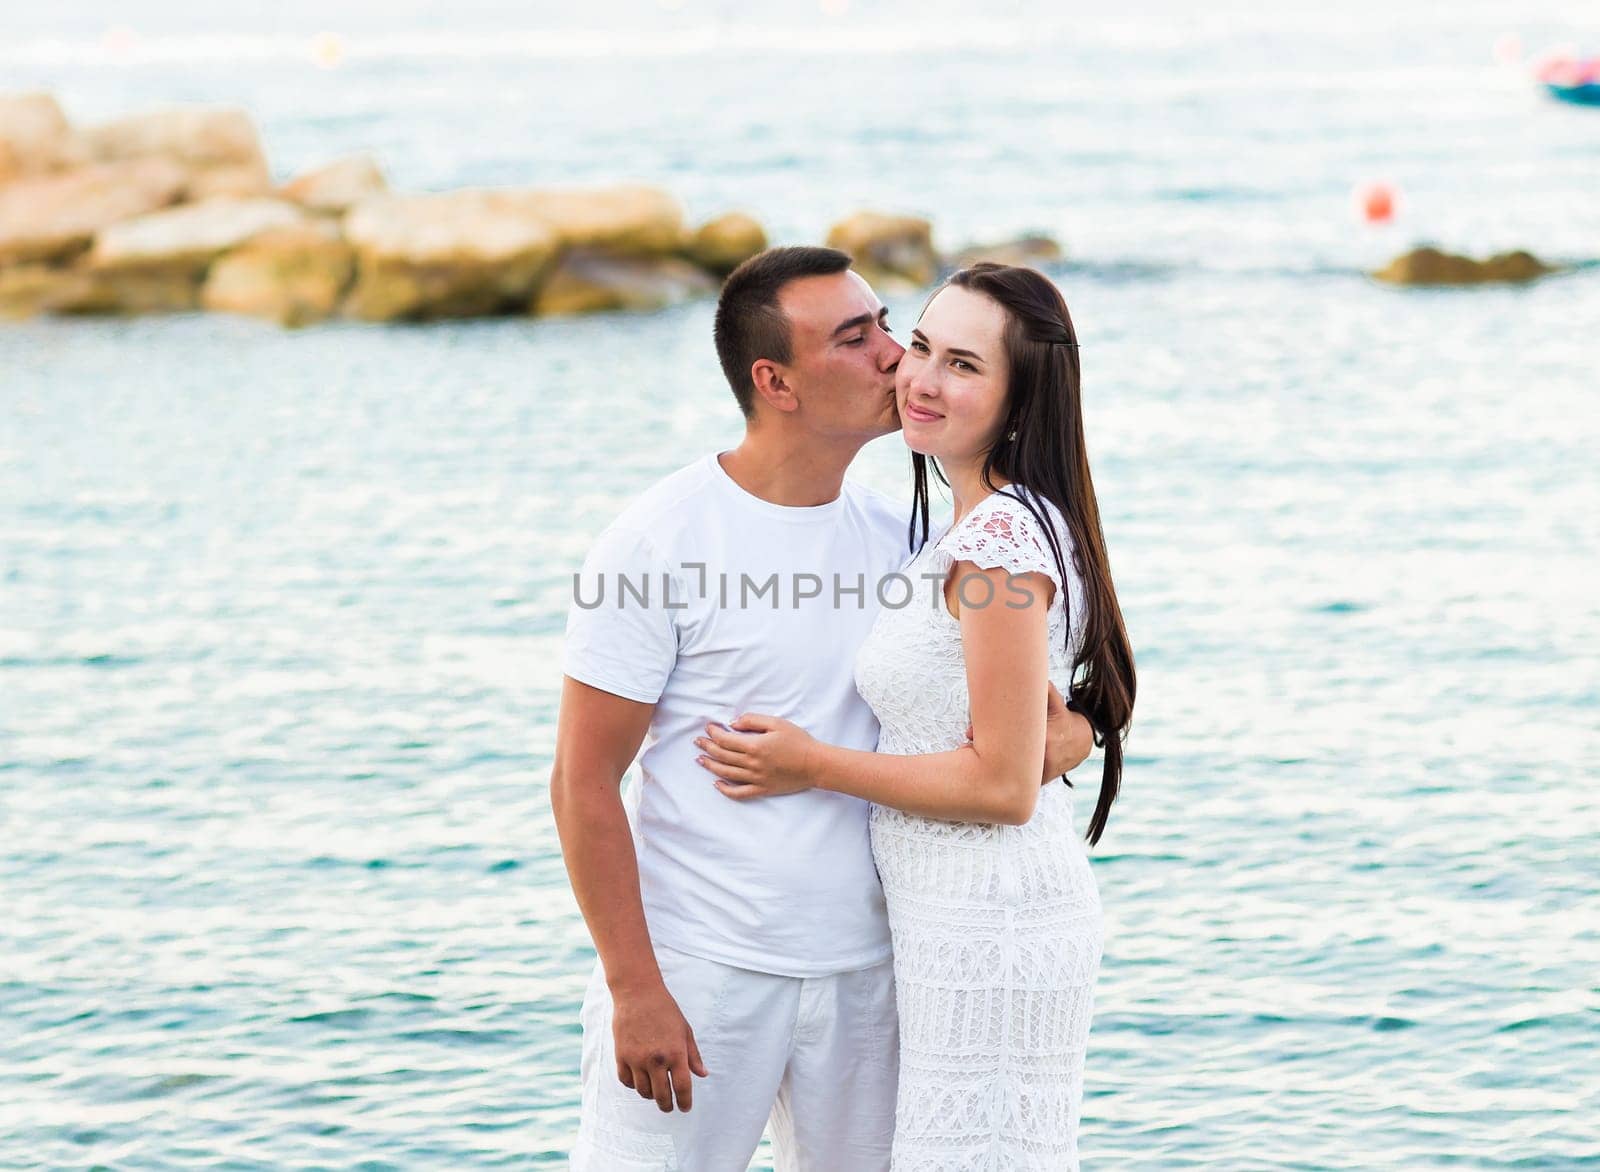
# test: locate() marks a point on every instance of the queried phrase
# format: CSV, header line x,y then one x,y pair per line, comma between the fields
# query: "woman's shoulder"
x,y
1010,514
1007,530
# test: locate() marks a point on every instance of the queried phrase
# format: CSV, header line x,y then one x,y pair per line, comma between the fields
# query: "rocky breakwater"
x,y
175,210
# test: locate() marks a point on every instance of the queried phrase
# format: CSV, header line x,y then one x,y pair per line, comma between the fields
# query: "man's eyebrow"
x,y
959,353
861,319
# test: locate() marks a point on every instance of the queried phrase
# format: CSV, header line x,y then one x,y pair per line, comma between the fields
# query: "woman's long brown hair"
x,y
1049,457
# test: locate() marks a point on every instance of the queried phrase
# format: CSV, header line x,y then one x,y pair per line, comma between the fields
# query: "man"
x,y
746,945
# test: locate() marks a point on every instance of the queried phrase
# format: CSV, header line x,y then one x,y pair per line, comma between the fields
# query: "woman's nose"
x,y
920,382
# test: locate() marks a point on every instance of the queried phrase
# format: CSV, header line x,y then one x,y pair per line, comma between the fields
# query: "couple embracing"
x,y
847,898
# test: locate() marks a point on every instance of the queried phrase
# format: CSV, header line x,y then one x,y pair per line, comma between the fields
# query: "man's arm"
x,y
597,737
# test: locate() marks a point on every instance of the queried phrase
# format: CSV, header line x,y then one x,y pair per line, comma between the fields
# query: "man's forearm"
x,y
597,845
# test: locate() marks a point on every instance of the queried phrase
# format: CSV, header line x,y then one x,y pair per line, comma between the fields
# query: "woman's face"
x,y
951,385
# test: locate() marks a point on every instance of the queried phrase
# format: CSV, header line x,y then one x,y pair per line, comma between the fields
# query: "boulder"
x,y
629,220
53,217
27,290
337,187
1429,266
888,250
294,275
219,147
156,263
129,291
459,254
197,135
35,137
241,181
589,281
188,238
723,244
1029,251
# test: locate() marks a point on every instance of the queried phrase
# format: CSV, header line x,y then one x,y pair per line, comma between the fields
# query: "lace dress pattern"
x,y
997,929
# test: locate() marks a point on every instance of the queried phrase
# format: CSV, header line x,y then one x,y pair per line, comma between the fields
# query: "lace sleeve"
x,y
1001,533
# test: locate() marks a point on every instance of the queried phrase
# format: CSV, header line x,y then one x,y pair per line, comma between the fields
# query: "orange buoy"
x,y
1376,201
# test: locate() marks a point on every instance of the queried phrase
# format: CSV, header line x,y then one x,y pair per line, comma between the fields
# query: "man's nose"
x,y
892,353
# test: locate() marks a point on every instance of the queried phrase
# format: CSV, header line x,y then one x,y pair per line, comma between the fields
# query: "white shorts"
x,y
815,1057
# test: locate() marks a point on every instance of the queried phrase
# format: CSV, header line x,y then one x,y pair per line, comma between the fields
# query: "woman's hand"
x,y
761,757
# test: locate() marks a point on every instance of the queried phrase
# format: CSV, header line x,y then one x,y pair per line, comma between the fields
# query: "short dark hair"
x,y
750,325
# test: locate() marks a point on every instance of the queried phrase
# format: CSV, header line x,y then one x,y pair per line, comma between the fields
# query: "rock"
x,y
188,238
458,254
156,263
53,217
35,137
293,276
1030,251
588,281
26,290
631,220
130,291
337,187
888,249
723,244
241,181
197,135
219,147
1429,266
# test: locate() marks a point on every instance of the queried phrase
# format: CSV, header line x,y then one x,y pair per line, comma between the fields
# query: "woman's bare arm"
x,y
993,779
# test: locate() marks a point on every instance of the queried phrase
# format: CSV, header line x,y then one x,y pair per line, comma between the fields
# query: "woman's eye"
x,y
919,347
961,365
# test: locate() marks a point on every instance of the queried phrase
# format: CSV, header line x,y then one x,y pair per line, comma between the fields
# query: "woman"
x,y
993,909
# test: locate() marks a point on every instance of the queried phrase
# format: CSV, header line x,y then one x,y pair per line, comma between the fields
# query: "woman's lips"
x,y
921,414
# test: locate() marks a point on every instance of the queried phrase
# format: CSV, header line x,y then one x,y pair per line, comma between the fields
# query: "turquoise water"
x,y
280,613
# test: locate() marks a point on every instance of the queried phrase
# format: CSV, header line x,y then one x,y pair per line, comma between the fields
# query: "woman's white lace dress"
x,y
997,929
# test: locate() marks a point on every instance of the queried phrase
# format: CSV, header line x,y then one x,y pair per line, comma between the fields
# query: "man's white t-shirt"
x,y
709,602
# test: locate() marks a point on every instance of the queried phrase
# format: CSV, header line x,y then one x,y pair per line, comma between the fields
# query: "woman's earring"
x,y
1012,434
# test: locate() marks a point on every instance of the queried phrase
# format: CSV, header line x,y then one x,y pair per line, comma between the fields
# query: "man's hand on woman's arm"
x,y
597,737
1068,737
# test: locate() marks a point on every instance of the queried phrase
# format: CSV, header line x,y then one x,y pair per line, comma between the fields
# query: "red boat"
x,y
1572,80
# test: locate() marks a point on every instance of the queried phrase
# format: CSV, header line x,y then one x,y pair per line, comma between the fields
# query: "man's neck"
x,y
784,470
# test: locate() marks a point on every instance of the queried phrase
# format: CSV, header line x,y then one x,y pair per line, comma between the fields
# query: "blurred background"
x,y
281,610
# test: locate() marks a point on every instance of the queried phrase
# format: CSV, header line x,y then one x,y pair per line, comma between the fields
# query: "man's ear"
x,y
772,385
